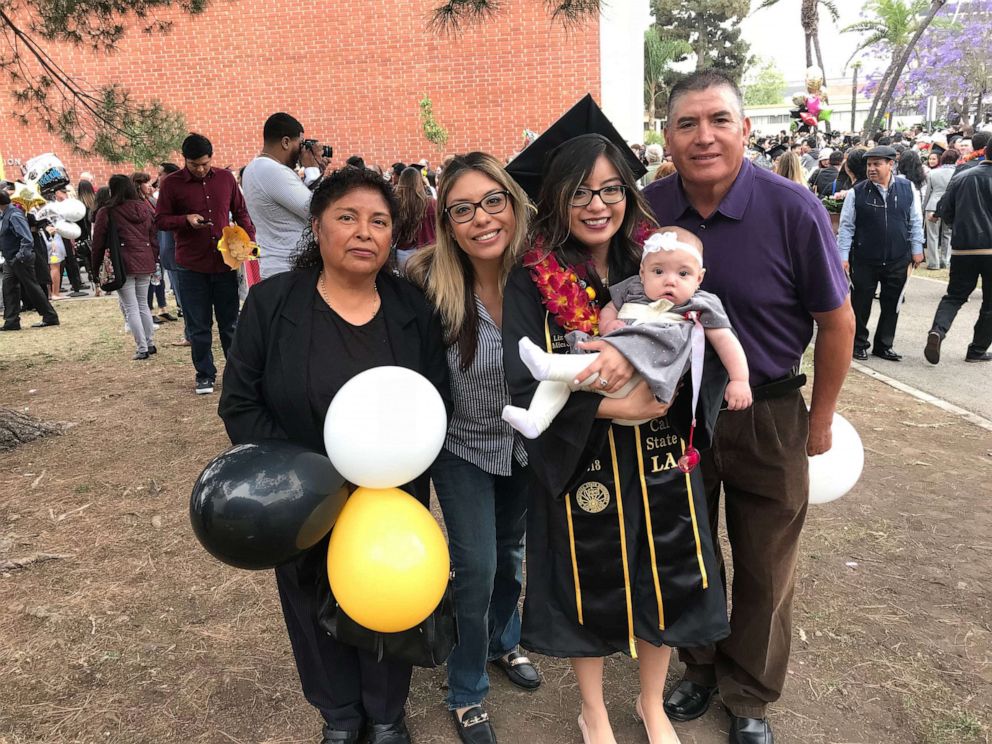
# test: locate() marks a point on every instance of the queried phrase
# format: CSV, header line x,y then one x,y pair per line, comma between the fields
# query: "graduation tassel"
x,y
690,458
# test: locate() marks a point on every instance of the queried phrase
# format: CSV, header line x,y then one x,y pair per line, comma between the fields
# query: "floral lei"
x,y
974,155
567,292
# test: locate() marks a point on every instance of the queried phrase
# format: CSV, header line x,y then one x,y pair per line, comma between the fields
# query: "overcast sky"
x,y
776,33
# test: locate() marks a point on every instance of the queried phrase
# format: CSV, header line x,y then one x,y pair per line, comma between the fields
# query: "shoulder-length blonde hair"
x,y
444,271
790,166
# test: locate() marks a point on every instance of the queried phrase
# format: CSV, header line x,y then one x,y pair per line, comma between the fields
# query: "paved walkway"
x,y
965,385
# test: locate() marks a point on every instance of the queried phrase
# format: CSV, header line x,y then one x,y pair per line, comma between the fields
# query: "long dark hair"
x,y
332,188
911,166
857,164
567,168
86,194
122,190
412,196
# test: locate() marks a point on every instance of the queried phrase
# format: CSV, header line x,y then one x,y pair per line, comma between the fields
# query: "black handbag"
x,y
427,645
111,273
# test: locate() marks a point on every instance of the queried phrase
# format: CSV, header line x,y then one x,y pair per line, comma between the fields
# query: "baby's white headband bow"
x,y
669,241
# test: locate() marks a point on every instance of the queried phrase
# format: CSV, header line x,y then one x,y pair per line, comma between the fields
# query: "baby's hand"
x,y
738,395
610,326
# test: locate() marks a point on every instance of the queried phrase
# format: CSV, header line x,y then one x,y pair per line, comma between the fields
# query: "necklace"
x,y
322,289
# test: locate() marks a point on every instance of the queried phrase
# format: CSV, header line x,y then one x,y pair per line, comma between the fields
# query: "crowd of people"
x,y
467,273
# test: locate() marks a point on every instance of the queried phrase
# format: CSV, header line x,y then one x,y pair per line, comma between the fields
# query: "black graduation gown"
x,y
617,540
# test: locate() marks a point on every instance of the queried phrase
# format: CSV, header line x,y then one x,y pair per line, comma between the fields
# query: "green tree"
x,y
768,86
894,27
659,55
809,19
450,16
710,27
103,120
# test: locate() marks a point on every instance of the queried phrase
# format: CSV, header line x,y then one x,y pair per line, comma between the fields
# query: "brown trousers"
x,y
759,458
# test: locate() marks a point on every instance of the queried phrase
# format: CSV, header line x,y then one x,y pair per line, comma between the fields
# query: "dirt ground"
x,y
130,632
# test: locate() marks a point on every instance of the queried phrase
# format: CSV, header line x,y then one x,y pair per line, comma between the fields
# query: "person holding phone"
x,y
195,203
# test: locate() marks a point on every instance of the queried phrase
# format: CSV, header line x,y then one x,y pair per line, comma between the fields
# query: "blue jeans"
x,y
485,516
206,295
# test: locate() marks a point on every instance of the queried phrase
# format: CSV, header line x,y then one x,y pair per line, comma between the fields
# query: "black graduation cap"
x,y
777,151
585,117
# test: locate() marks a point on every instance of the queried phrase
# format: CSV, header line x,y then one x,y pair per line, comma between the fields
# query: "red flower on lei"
x,y
564,291
974,155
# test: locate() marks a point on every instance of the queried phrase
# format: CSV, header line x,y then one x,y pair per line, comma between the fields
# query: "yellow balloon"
x,y
387,561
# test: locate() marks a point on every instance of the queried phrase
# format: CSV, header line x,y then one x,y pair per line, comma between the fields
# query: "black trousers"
x,y
19,280
71,265
965,272
347,686
865,279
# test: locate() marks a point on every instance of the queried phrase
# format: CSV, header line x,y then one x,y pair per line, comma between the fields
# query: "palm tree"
x,y
809,17
896,25
659,54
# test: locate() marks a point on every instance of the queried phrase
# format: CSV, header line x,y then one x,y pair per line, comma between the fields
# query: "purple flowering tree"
x,y
953,61
892,29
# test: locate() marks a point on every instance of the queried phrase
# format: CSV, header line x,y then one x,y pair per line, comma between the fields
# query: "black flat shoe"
x,y
11,327
139,355
688,701
888,355
932,350
45,324
152,349
519,670
860,355
389,733
985,357
750,731
474,727
340,736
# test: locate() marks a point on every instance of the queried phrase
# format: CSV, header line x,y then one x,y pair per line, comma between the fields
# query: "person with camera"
x,y
278,201
195,203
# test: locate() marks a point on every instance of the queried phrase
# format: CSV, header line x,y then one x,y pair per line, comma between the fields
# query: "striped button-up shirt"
x,y
477,432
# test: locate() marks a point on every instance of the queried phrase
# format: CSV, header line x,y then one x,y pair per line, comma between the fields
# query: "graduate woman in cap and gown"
x,y
619,557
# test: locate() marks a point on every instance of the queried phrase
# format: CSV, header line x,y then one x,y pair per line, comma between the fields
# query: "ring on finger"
x,y
603,382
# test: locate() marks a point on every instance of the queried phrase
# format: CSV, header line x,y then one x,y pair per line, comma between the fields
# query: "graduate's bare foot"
x,y
595,726
651,711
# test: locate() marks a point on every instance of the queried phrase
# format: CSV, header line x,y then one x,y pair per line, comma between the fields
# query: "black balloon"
x,y
261,504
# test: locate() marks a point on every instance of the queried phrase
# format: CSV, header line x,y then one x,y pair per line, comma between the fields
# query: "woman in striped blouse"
x,y
479,476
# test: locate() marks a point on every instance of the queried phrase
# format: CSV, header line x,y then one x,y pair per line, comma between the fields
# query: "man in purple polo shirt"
x,y
772,259
195,203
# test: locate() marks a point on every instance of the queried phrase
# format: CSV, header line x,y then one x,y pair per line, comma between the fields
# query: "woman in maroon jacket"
x,y
133,219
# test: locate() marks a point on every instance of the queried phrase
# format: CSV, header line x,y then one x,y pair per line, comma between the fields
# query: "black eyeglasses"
x,y
493,203
613,194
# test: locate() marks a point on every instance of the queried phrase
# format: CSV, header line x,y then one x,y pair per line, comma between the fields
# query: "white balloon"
x,y
834,473
71,210
69,230
385,427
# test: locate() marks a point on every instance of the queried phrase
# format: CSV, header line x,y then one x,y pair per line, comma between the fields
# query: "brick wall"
x,y
352,71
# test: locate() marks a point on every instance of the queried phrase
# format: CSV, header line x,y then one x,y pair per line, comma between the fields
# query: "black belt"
x,y
778,388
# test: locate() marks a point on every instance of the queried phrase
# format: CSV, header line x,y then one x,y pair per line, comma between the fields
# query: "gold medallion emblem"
x,y
592,497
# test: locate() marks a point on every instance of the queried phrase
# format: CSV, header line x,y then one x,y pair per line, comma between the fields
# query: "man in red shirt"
x,y
196,203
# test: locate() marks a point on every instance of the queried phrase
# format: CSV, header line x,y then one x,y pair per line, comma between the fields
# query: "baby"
x,y
650,320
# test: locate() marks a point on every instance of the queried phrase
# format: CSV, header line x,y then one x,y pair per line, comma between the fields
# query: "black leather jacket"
x,y
967,204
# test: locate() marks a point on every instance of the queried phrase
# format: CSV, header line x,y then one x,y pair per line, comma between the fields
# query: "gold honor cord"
x,y
695,527
623,546
575,561
647,522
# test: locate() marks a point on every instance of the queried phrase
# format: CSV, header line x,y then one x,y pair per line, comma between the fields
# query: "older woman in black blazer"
x,y
300,337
